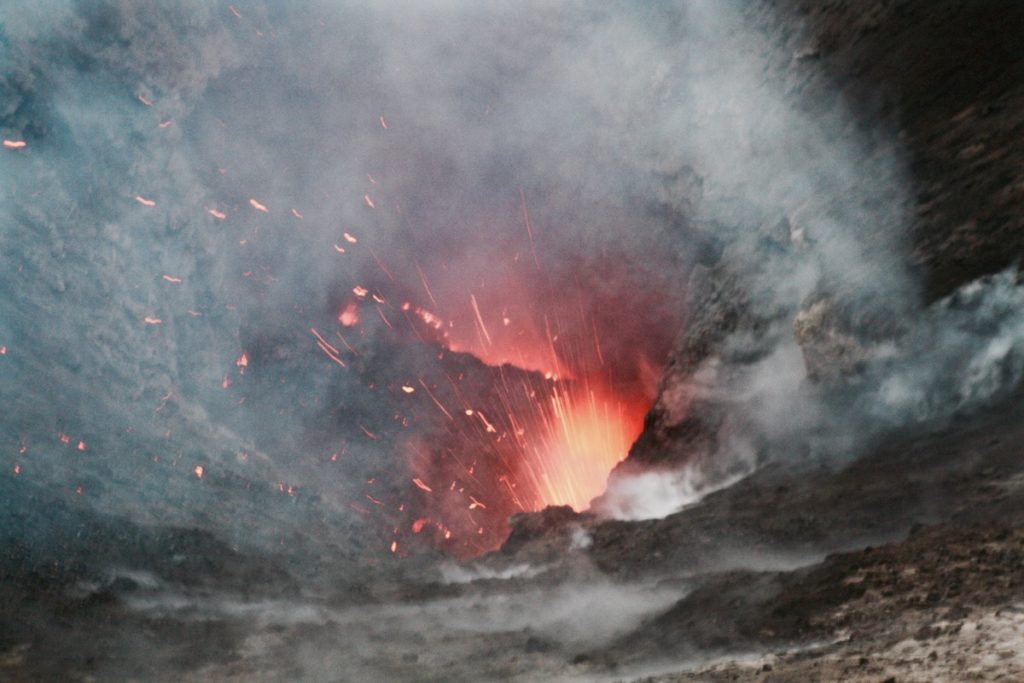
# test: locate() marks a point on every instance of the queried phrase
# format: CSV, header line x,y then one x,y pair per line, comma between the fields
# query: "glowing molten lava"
x,y
529,379
583,436
557,437
516,441
550,426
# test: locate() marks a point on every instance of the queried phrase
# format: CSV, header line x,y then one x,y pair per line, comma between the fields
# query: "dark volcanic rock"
x,y
544,535
950,78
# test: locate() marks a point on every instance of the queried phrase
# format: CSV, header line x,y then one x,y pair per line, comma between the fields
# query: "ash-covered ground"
x,y
263,265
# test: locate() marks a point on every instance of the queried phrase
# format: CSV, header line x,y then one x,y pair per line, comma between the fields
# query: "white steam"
x,y
965,351
655,494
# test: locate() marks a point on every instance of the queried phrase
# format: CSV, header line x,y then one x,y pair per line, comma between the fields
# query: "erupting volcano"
x,y
558,382
511,341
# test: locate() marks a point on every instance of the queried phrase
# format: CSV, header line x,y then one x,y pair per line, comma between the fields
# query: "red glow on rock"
x,y
573,384
574,344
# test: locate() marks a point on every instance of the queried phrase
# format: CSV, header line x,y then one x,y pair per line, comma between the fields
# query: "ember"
x,y
349,315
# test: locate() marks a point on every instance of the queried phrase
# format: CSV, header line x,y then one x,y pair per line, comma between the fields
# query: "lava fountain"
x,y
545,370
547,435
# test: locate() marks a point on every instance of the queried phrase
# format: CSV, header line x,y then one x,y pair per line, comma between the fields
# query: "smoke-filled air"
x,y
479,341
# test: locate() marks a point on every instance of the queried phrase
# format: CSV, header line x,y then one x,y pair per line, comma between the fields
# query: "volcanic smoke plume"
x,y
399,272
399,269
